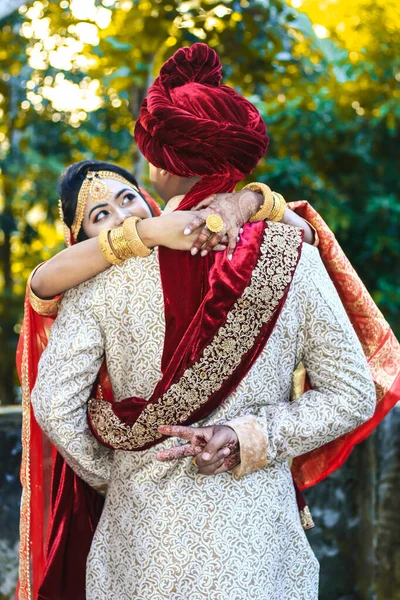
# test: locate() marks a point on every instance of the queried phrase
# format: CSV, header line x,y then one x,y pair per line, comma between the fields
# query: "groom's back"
x,y
131,312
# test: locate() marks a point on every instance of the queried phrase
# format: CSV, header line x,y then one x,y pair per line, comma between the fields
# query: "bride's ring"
x,y
214,223
194,462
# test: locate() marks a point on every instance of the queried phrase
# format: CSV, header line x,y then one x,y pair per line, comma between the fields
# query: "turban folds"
x,y
191,125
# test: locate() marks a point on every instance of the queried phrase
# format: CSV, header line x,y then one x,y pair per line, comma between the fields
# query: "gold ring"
x,y
214,223
194,462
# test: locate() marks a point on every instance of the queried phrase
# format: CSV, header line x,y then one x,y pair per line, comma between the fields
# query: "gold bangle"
x,y
274,211
119,244
279,208
268,204
106,249
133,240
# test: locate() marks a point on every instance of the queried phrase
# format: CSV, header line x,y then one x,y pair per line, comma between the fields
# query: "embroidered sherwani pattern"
x,y
167,532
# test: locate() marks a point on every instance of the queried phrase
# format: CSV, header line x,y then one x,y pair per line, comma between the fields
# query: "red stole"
x,y
216,327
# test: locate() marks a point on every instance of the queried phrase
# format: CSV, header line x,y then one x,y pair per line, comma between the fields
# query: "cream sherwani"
x,y
166,532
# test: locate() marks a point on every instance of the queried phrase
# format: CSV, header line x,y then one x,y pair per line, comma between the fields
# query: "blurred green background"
x,y
325,74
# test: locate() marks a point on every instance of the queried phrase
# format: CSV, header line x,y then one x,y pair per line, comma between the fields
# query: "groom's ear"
x,y
167,178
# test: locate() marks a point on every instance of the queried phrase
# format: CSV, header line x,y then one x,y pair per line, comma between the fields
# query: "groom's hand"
x,y
215,449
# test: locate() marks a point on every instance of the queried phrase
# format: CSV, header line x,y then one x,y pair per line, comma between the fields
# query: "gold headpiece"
x,y
97,190
67,234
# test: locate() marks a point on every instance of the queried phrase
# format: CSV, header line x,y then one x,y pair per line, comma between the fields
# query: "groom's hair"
x,y
71,181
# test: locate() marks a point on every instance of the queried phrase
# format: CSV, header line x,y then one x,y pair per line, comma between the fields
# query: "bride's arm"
x,y
233,208
291,218
81,262
68,268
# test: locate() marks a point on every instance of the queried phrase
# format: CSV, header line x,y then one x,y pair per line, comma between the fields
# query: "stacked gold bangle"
x,y
268,204
279,207
133,240
273,206
119,245
122,243
105,248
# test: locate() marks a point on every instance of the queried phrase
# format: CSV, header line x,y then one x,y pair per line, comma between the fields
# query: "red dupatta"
x,y
379,343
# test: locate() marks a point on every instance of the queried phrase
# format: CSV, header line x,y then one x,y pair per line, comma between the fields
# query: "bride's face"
x,y
111,212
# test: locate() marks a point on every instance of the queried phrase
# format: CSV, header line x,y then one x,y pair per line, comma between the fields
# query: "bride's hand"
x,y
215,448
167,230
235,210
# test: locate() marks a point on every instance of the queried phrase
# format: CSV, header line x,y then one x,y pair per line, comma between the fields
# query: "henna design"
x,y
197,442
179,452
235,209
231,461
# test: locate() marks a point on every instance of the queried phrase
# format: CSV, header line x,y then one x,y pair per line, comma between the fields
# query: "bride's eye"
x,y
100,215
128,198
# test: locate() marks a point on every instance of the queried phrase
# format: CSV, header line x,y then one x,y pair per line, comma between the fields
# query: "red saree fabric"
x,y
379,344
50,488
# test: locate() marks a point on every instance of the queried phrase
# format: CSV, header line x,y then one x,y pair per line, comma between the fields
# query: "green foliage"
x,y
73,76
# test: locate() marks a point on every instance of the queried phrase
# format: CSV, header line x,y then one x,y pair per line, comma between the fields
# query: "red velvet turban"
x,y
191,125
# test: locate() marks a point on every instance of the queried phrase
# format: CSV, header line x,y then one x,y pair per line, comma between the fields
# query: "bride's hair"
x,y
71,181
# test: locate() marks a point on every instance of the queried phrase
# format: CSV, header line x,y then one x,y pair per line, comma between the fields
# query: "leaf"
x,y
117,45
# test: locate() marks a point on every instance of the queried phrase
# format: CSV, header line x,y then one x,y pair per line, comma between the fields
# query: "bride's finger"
x,y
233,240
197,222
205,203
211,242
181,431
202,238
178,452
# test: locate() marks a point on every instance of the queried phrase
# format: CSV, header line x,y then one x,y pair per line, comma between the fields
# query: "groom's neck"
x,y
182,185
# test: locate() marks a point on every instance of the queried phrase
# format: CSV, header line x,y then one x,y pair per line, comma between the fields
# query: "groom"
x,y
205,341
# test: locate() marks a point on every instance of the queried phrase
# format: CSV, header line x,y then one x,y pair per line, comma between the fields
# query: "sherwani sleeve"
x,y
343,395
67,371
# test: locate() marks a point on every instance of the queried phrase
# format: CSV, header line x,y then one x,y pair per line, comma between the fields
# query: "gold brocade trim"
x,y
298,381
256,306
46,308
306,519
25,511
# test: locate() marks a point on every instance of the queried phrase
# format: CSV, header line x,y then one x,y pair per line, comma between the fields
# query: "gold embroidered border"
x,y
269,280
25,592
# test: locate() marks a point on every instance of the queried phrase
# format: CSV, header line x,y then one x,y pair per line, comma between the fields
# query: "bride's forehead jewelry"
x,y
67,236
97,190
